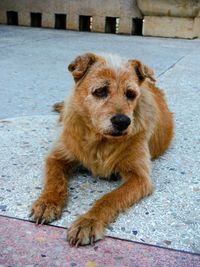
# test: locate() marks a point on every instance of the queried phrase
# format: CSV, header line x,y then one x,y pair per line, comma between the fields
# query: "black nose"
x,y
120,122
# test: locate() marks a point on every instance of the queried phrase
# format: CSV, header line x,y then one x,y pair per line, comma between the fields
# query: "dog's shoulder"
x,y
146,112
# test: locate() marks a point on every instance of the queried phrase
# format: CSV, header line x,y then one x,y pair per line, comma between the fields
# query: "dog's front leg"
x,y
49,205
90,226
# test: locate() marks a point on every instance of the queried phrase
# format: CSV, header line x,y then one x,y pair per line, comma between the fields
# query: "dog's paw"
x,y
45,211
84,231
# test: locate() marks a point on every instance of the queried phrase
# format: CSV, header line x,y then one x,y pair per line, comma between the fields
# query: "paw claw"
x,y
71,242
44,211
43,221
77,243
79,229
92,240
85,231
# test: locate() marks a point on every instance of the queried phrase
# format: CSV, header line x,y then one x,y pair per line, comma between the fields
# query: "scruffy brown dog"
x,y
115,122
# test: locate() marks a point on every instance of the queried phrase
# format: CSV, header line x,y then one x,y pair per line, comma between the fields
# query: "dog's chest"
x,y
100,157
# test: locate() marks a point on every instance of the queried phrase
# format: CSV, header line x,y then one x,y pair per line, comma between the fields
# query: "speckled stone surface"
x,y
168,218
24,244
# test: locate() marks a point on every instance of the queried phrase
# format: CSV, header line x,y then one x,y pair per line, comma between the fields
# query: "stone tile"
x,y
23,244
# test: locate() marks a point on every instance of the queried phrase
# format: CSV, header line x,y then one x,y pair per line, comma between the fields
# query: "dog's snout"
x,y
120,122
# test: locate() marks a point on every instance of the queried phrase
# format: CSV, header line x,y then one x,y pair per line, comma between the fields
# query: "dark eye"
x,y
130,94
101,92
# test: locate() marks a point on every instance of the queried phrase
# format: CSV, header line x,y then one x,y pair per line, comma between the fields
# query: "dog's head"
x,y
107,91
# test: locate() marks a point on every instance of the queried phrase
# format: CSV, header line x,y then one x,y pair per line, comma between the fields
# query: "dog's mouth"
x,y
116,134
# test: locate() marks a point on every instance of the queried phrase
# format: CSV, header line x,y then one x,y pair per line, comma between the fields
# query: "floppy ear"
x,y
142,71
81,65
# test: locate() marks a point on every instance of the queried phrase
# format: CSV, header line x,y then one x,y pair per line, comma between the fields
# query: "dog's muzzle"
x,y
120,122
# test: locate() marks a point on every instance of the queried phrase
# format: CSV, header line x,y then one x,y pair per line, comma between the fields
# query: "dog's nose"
x,y
120,122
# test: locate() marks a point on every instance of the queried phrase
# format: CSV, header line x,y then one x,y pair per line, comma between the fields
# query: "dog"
x,y
115,122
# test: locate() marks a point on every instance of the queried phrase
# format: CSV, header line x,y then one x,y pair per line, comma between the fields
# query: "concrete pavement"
x,y
33,62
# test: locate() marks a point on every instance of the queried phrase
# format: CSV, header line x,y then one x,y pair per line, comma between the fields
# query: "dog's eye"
x,y
101,92
130,94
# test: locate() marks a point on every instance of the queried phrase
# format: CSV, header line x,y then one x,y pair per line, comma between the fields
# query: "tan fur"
x,y
88,138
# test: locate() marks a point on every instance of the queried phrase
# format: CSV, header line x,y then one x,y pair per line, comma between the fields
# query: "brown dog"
x,y
115,122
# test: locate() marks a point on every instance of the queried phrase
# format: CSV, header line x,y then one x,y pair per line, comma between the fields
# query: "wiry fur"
x,y
88,139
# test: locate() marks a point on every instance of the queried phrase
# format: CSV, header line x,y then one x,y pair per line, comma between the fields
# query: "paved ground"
x,y
33,76
47,246
33,62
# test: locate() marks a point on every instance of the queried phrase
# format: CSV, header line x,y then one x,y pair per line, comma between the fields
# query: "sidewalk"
x,y
33,65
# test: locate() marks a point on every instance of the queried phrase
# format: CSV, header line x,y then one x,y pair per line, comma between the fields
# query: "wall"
x,y
172,18
126,10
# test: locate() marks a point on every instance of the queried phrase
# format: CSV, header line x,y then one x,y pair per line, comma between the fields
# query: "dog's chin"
x,y
115,134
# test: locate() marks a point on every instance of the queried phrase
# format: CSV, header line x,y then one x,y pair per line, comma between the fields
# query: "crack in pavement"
x,y
175,63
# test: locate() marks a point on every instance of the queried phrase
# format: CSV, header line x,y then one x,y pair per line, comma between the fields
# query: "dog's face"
x,y
107,91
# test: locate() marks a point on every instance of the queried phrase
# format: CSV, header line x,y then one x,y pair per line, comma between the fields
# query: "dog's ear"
x,y
80,66
142,71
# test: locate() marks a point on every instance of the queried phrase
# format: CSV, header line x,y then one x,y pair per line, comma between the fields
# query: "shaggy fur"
x,y
106,86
